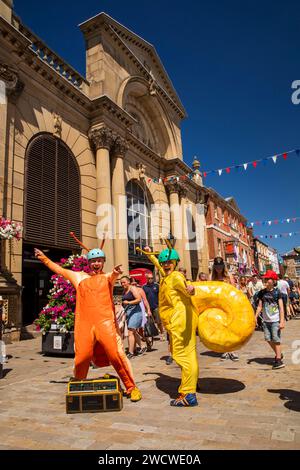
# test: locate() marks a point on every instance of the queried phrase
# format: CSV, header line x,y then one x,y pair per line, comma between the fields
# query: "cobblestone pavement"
x,y
242,405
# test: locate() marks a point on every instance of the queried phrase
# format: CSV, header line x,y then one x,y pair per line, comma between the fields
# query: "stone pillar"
x,y
176,217
202,241
186,233
102,140
10,89
119,203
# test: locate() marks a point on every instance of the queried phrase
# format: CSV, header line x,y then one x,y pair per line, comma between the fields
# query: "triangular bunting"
x,y
274,158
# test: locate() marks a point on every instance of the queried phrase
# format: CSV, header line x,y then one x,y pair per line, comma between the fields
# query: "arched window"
x,y
52,204
138,217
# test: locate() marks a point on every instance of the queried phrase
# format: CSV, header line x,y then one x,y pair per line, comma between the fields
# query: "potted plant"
x,y
57,318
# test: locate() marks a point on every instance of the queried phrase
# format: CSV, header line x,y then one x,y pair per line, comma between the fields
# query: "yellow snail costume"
x,y
221,313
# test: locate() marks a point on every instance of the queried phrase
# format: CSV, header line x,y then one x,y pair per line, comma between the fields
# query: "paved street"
x,y
244,405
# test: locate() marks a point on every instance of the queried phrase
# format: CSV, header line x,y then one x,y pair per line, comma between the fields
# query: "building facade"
x,y
92,154
291,264
261,256
273,260
227,233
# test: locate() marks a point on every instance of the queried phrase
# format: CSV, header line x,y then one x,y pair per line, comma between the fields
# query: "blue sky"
x,y
232,64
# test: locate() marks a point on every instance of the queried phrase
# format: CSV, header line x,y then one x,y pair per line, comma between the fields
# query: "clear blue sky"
x,y
232,64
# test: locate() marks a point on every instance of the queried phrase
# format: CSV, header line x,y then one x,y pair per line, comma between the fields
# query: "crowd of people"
x,y
274,298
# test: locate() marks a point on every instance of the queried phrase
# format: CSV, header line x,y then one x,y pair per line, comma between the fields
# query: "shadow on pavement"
x,y
206,385
26,334
291,396
211,354
5,372
262,360
219,386
166,384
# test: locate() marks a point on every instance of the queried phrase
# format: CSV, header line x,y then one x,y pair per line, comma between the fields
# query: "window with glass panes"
x,y
138,217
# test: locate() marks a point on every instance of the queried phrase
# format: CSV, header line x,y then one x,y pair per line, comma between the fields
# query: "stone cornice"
x,y
103,105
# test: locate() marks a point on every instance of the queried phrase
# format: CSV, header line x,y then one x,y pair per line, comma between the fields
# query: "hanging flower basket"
x,y
10,230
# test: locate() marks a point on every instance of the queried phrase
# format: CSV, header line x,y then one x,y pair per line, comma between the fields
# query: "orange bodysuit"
x,y
96,335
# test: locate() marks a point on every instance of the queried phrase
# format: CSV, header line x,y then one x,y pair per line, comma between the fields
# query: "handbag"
x,y
150,329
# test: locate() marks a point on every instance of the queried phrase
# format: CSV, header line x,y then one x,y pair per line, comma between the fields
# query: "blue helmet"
x,y
95,253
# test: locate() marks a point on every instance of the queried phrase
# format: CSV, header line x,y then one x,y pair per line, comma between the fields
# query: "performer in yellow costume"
x,y
221,313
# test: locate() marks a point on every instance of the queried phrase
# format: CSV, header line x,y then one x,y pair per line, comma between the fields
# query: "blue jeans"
x,y
272,331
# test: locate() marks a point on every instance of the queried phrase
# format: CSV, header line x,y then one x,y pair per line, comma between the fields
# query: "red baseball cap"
x,y
271,275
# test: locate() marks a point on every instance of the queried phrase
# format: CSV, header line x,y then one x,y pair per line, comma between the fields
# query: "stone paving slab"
x,y
242,405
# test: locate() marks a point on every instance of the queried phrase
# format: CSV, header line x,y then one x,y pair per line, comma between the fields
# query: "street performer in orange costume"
x,y
96,335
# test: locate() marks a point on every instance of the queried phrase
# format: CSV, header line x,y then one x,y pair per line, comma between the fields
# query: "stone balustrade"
x,y
53,59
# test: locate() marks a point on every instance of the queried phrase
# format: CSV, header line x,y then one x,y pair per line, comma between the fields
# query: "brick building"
x,y
292,264
227,233
261,256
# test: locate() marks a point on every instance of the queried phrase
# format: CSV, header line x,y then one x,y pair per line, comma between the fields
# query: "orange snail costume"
x,y
96,335
221,313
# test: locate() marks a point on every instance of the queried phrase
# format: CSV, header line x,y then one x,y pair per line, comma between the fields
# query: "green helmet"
x,y
168,255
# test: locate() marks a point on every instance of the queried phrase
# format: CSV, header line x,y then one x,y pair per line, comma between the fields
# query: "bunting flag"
x,y
271,222
280,235
227,170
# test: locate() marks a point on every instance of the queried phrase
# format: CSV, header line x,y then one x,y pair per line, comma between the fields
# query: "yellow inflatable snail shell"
x,y
225,316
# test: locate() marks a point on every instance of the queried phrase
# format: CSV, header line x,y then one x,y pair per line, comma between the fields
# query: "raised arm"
x,y
72,276
113,276
152,257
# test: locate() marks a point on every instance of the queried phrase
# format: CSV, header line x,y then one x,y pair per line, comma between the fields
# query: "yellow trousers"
x,y
182,331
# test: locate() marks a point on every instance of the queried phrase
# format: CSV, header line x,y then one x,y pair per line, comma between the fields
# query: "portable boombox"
x,y
94,395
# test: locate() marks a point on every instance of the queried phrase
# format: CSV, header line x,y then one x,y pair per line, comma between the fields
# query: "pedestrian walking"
x,y
131,300
284,289
271,305
220,273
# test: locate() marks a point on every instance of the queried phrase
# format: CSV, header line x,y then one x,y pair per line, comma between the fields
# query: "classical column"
x,y
102,140
176,217
119,203
10,89
201,210
186,232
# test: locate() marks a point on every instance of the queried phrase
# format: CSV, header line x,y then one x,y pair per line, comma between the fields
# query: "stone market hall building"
x,y
71,144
